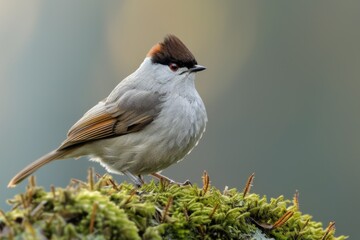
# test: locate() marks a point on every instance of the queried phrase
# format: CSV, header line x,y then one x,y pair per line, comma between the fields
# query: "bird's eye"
x,y
174,67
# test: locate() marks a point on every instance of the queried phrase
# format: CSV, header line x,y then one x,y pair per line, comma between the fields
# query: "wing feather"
x,y
128,114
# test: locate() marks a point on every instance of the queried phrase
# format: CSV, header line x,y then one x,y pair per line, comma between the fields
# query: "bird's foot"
x,y
170,181
137,180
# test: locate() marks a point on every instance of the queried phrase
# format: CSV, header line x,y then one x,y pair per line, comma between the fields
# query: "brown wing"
x,y
131,112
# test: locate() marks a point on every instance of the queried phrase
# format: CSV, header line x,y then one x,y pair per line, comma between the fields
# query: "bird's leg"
x,y
135,179
141,177
164,178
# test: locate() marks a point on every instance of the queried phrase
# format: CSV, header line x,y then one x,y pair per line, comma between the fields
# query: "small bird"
x,y
151,120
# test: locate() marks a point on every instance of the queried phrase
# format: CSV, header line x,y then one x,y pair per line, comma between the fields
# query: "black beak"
x,y
197,68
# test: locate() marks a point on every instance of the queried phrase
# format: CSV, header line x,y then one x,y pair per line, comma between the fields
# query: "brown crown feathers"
x,y
172,50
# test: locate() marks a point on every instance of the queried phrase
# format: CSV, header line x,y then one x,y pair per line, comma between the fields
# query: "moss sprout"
x,y
104,209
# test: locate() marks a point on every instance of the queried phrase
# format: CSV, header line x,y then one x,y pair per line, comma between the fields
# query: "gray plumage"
x,y
152,119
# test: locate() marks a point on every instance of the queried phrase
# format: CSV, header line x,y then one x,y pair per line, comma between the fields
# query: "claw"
x,y
187,182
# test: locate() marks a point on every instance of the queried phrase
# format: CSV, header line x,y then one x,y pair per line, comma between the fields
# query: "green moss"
x,y
106,210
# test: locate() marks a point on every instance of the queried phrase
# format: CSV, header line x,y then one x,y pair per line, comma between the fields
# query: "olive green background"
x,y
281,89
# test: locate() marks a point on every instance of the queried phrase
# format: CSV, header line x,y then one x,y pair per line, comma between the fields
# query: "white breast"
x,y
165,141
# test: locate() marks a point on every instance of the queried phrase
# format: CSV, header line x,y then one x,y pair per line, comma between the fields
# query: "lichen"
x,y
107,210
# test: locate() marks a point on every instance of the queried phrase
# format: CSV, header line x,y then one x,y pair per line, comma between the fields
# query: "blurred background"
x,y
281,90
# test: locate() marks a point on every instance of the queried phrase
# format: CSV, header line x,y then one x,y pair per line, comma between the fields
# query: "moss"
x,y
107,210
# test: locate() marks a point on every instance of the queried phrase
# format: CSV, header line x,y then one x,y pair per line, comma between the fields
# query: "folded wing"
x,y
130,112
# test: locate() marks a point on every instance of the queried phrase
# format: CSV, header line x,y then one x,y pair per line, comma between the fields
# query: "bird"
x,y
152,119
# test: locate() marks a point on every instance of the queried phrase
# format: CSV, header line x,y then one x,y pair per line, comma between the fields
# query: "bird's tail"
x,y
28,170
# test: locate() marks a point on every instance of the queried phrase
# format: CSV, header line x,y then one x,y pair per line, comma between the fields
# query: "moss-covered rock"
x,y
107,210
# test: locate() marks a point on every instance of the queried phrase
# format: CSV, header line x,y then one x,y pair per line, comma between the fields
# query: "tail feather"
x,y
35,166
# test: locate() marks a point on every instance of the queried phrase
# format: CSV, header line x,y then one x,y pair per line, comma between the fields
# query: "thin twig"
x,y
93,218
166,210
77,181
114,185
301,229
32,181
296,200
330,228
91,178
283,219
248,185
206,183
23,201
186,214
132,193
213,211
